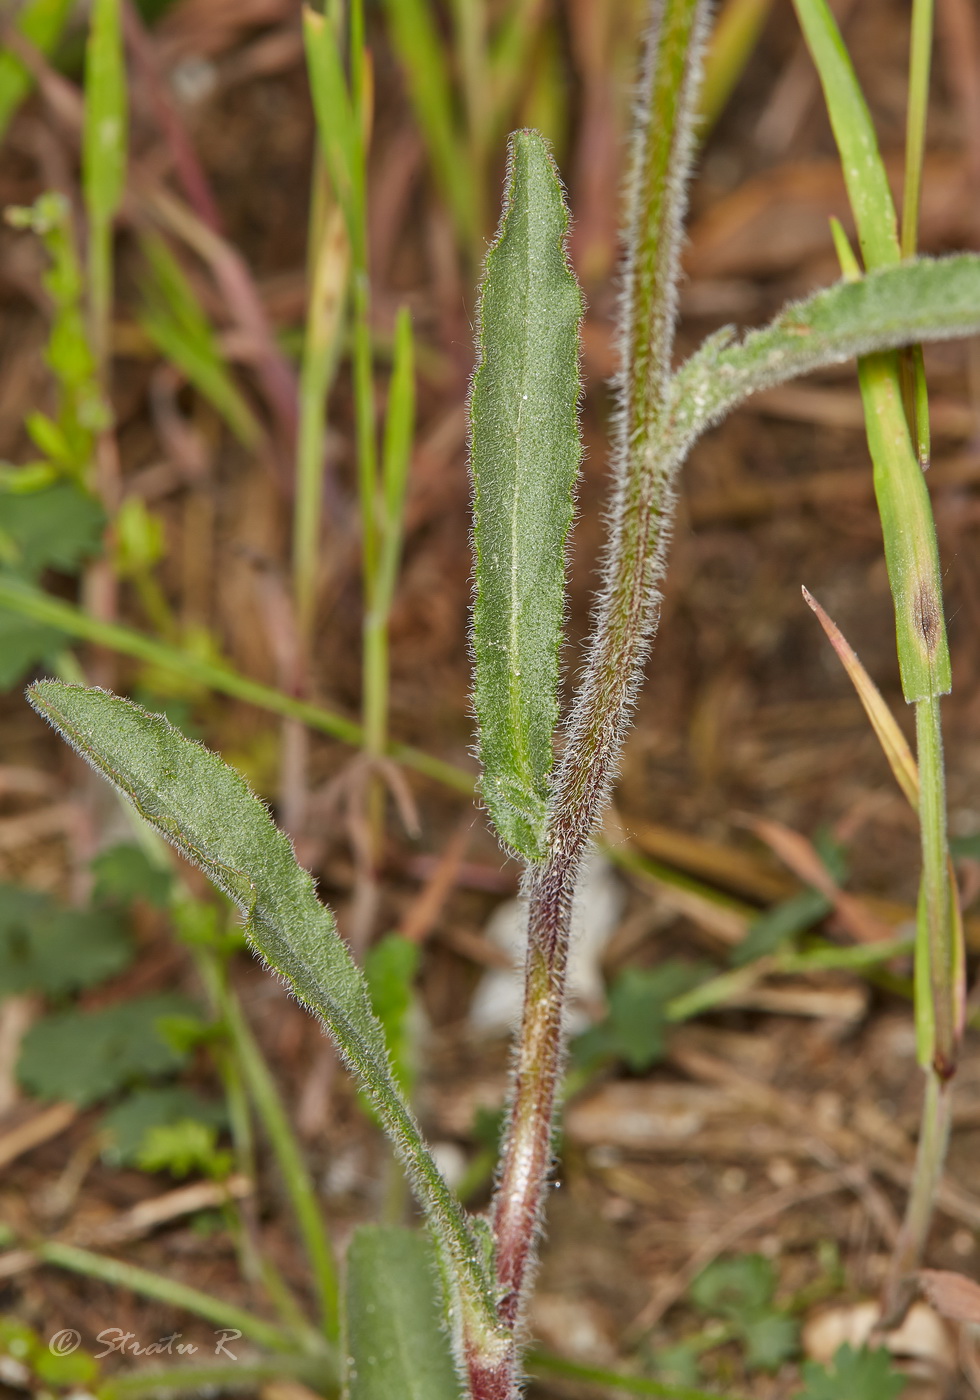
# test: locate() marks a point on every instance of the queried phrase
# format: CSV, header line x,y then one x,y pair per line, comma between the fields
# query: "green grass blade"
x,y
920,62
525,451
389,509
267,1098
174,320
104,142
25,601
733,41
177,1295
207,812
397,1340
864,171
336,122
422,54
909,531
42,23
329,274
396,456
550,1365
918,301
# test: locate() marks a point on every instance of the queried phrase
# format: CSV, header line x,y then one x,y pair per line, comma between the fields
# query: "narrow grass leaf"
x,y
206,810
42,23
175,321
396,457
909,532
893,742
104,141
30,603
524,453
336,121
423,57
733,41
329,267
397,1340
119,1274
302,1192
864,170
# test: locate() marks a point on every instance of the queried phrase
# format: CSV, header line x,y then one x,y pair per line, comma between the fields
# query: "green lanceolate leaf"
x,y
525,452
918,301
397,1343
207,811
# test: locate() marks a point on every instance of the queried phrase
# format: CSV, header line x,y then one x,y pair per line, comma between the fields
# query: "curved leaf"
x,y
205,809
925,299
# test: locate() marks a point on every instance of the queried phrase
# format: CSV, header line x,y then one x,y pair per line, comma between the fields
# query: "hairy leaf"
x,y
524,453
207,811
398,1346
925,299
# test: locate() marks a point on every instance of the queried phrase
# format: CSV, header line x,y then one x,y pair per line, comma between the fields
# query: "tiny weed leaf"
x,y
75,1371
24,646
778,925
741,1290
678,1365
397,1342
124,873
58,527
87,1056
207,811
734,1287
44,948
524,454
853,1375
180,1148
770,1339
126,1126
635,1026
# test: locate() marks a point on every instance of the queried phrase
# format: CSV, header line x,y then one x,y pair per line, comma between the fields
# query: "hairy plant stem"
x,y
639,531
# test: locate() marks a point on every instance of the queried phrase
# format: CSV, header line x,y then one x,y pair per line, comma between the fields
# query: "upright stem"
x,y
930,1158
627,616
938,945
